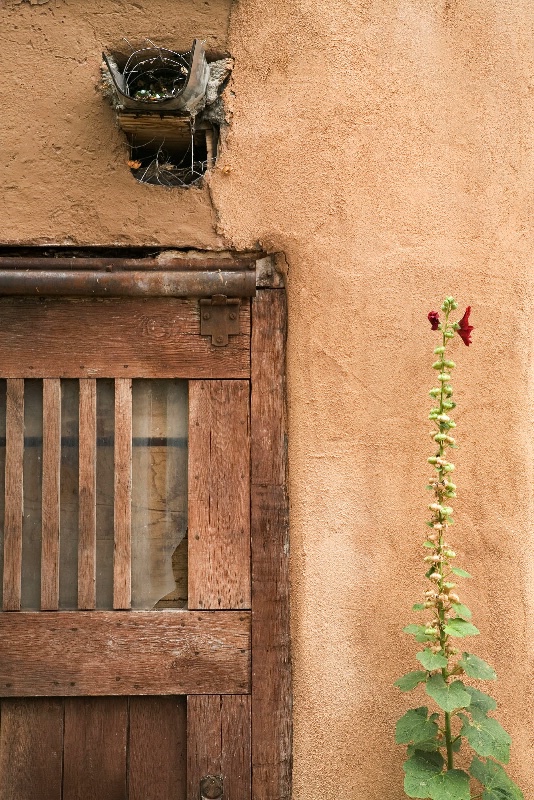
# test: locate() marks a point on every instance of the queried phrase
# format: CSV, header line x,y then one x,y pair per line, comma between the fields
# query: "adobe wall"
x,y
384,146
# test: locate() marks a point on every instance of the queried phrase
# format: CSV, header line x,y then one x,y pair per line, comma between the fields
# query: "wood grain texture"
x,y
122,550
103,338
204,756
13,495
219,495
31,748
87,495
157,760
95,748
51,494
271,666
218,743
124,652
236,746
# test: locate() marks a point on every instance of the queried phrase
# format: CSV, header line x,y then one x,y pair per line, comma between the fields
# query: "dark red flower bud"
x,y
465,328
433,318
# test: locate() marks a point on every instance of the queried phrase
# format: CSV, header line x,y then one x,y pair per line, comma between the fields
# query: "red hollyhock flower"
x,y
465,328
433,318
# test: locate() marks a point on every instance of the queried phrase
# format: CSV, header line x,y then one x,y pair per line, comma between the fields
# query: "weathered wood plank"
x,y
157,736
95,748
235,744
124,652
130,337
51,494
219,495
218,743
13,496
122,550
31,747
204,756
271,673
87,495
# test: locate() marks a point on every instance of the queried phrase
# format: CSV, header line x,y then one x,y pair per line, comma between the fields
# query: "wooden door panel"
x,y
124,653
31,749
219,494
106,338
218,744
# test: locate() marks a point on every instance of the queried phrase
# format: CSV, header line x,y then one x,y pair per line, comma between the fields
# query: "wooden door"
x,y
112,687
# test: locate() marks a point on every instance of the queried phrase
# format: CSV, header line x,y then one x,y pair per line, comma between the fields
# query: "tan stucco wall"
x,y
385,147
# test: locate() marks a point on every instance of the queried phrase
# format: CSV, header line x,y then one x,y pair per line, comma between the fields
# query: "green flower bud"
x,y
449,585
450,553
443,418
435,576
439,350
431,632
446,510
448,334
450,439
448,404
435,392
444,377
432,459
440,437
437,365
447,389
450,364
452,424
448,467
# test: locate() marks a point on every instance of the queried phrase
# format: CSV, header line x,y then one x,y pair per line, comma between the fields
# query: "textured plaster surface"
x,y
385,147
65,178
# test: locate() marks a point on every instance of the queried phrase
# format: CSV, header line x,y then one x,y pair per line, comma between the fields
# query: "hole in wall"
x,y
169,105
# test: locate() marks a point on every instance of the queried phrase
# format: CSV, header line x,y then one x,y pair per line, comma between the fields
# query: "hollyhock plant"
x,y
450,679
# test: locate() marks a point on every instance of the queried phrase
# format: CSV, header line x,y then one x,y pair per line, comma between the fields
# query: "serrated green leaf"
x,y
450,785
419,632
462,611
462,573
431,660
428,747
414,727
418,607
497,784
409,681
420,769
450,696
476,667
460,628
479,701
486,736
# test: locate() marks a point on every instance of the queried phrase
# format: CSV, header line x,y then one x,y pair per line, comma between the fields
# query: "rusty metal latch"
x,y
211,787
219,318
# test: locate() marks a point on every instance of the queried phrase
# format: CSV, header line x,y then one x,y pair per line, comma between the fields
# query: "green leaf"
x,y
460,628
414,727
450,696
497,784
420,769
419,632
450,785
477,668
409,681
462,611
431,660
479,701
462,573
430,545
428,747
418,607
486,736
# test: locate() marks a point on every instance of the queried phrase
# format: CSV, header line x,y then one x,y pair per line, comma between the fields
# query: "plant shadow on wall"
x,y
170,106
463,719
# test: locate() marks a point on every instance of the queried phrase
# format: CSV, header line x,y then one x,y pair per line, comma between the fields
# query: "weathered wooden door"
x,y
125,670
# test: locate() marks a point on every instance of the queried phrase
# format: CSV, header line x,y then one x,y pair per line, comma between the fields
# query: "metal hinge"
x,y
219,318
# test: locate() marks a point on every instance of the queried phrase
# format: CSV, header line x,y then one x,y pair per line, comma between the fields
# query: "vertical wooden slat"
x,y
31,748
219,495
157,762
51,494
218,743
95,749
271,668
235,744
87,495
204,756
14,497
122,553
